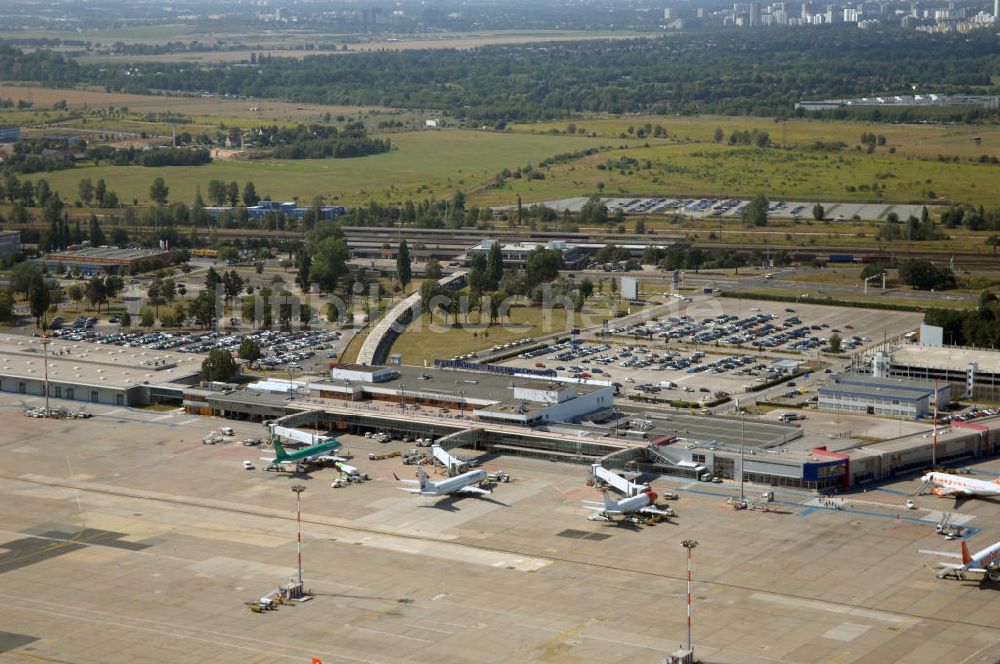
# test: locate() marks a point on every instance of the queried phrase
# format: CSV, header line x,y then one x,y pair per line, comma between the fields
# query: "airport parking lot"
x,y
733,207
287,349
131,540
718,345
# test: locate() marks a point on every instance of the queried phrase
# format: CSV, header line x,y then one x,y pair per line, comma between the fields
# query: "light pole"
x,y
689,545
45,355
298,489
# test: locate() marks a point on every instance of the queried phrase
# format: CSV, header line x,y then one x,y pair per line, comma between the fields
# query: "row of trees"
x,y
730,72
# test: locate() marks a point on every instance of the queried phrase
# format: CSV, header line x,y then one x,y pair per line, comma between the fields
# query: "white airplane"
x,y
959,486
985,562
460,484
643,503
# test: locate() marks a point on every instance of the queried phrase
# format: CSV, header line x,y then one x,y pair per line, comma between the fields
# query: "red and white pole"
x,y
689,545
298,489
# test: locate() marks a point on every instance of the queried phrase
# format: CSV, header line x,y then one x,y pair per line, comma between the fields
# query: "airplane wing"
x,y
943,554
650,509
409,490
406,481
473,490
324,457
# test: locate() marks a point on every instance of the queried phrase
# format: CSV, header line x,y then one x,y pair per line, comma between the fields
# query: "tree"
x,y
76,294
97,294
542,265
232,284
168,289
329,263
126,319
86,190
494,266
96,234
925,275
6,306
818,212
217,192
101,192
586,287
158,191
155,296
202,308
994,242
39,298
21,277
755,214
835,343
304,274
233,193
719,135
146,318
432,269
212,279
403,268
249,350
250,197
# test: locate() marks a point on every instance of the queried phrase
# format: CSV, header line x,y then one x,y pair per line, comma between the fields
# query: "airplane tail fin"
x,y
422,476
608,503
966,558
279,451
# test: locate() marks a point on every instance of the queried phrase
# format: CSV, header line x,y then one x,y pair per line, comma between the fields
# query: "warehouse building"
x,y
94,374
108,260
10,243
889,397
968,371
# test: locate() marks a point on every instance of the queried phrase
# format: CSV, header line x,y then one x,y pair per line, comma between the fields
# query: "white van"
x,y
227,431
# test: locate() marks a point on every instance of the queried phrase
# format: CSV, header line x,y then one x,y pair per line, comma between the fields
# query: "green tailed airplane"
x,y
317,453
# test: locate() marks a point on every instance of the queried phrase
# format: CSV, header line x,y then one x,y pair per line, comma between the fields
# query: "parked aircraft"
x,y
986,561
460,484
959,486
317,453
643,503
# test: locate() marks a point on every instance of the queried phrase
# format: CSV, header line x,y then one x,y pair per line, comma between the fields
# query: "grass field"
x,y
708,169
426,164
925,140
426,341
211,110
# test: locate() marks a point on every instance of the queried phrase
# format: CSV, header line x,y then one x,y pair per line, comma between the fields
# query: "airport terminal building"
x,y
94,374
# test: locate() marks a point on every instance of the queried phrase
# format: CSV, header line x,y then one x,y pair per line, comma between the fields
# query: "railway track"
x,y
453,241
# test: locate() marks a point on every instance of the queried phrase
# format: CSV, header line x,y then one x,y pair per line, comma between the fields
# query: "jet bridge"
x,y
604,476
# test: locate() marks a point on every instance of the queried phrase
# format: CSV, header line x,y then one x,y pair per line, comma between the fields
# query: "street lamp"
x,y
689,545
298,489
45,355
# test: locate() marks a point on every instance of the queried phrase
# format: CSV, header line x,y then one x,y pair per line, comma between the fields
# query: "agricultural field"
x,y
424,164
300,46
207,110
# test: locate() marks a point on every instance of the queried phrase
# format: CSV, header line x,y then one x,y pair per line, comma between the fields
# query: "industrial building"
x,y
972,371
289,209
890,397
94,374
10,243
108,260
516,254
9,134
